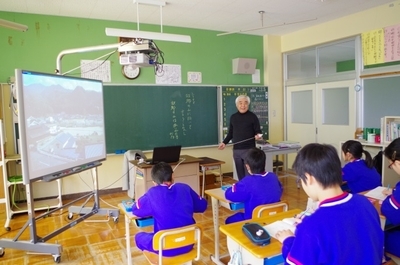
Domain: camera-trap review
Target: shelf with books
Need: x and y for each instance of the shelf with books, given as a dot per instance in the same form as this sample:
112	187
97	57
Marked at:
390	128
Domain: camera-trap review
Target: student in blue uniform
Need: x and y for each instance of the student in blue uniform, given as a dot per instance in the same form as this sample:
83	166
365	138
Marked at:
391	205
171	204
345	229
359	174
258	188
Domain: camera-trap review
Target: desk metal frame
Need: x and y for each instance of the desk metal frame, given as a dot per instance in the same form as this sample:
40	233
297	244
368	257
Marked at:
128	219
217	196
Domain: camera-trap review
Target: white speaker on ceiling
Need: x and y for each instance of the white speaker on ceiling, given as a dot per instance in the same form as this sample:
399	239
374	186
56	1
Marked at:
244	66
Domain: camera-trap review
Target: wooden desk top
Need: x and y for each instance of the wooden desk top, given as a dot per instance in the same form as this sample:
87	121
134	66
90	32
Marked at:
234	231
207	161
217	193
188	159
126	213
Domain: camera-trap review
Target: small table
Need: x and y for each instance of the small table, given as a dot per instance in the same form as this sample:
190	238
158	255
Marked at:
251	253
271	153
208	163
217	197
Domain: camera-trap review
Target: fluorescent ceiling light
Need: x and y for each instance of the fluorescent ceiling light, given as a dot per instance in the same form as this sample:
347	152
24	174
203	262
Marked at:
13	25
150	2
148	35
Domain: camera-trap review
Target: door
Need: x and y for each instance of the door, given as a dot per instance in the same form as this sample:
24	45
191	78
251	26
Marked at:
321	113
336	112
301	118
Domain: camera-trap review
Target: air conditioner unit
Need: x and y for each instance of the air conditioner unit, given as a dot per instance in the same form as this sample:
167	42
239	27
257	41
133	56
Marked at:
139	59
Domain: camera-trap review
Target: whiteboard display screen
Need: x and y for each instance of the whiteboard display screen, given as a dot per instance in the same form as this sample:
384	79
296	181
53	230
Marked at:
61	123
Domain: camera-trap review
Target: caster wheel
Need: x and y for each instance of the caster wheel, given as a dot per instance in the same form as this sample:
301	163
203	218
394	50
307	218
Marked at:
2	252
57	258
116	220
70	216
8	228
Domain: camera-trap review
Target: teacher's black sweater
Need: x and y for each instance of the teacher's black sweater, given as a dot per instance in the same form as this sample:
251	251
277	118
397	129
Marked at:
243	126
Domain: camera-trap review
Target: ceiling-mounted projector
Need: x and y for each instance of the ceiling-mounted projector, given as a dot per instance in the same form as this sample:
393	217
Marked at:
139	59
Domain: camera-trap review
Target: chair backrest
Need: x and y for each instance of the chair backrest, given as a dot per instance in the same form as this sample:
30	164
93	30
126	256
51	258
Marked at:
270	209
178	237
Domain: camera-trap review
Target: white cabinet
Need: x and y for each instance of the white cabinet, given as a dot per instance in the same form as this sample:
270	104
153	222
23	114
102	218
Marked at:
14	189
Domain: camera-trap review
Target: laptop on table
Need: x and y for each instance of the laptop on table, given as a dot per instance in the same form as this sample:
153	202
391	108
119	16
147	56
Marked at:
168	154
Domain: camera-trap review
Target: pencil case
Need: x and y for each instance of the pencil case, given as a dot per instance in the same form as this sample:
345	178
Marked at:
256	233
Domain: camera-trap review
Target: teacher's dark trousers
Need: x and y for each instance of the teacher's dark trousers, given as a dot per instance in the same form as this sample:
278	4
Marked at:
238	157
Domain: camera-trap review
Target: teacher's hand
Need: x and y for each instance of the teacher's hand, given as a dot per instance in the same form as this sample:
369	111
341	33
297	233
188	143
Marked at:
258	136
221	146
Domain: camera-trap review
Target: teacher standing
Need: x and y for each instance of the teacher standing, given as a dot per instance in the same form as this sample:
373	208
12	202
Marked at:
244	129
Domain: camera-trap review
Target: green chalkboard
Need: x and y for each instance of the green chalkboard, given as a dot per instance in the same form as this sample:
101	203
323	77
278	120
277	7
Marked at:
258	104
143	117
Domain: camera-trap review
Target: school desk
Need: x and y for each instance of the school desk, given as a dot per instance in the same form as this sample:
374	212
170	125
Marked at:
252	254
129	217
377	204
208	163
218	198
186	172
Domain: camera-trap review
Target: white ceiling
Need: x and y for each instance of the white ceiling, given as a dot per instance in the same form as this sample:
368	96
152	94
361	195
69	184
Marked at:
219	15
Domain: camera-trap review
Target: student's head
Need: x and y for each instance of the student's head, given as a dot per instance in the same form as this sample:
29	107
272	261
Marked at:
242	103
392	152
255	161
353	150
320	163
161	172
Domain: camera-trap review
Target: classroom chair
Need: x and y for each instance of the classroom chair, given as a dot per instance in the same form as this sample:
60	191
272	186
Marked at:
269	209
174	238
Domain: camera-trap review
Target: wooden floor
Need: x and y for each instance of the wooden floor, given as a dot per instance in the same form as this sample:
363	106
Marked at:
103	243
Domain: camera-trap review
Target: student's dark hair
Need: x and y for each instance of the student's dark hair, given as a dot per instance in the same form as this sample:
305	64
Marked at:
392	151
255	158
321	161
161	172
356	149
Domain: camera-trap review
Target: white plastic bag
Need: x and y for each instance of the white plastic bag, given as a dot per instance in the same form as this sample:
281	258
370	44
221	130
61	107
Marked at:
236	258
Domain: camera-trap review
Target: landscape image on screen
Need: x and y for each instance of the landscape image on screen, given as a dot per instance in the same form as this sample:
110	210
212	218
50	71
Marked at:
62	122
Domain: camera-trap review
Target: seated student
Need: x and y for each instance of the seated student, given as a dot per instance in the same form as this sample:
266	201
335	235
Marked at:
391	205
345	229
359	174
258	188
171	204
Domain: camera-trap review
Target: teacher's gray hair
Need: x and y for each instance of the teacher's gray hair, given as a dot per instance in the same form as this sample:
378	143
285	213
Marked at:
242	96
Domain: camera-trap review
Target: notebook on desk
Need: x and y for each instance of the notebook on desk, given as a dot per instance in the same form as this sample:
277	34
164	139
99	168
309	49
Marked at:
168	154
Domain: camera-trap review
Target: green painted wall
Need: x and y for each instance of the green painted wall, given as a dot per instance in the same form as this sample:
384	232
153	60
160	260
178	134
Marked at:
37	49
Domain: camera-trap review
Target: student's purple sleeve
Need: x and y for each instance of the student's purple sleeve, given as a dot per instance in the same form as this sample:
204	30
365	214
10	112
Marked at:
286	246
300	249
199	203
142	207
237	193
391	206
